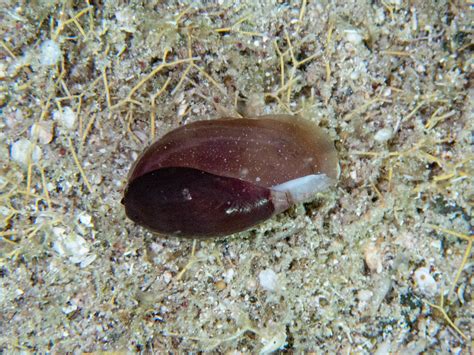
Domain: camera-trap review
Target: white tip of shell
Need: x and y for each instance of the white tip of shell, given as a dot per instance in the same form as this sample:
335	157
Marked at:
302	189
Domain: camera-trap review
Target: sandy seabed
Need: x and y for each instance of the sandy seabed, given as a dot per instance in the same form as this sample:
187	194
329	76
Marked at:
380	264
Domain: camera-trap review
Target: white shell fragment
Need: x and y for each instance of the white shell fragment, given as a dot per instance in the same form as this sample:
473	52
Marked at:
3	71
354	36
273	340
42	131
364	297
72	307
23	151
72	246
86	219
425	282
66	117
268	280
383	134
373	257
50	53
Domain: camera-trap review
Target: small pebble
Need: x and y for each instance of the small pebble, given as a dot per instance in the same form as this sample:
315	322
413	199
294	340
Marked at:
220	285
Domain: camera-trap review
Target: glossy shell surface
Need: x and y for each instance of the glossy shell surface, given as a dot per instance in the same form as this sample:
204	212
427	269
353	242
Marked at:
213	178
195	203
268	150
